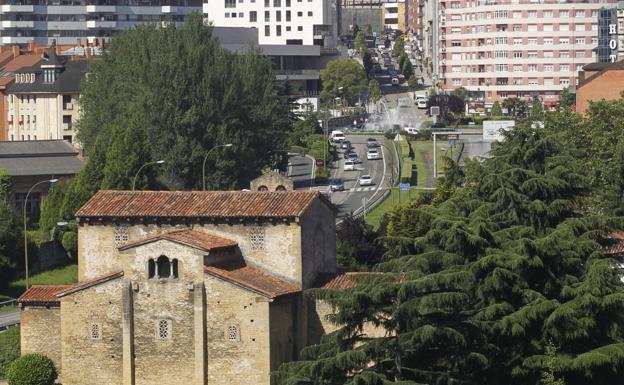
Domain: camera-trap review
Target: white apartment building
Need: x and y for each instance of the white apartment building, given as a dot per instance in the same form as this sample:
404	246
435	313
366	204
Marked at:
279	22
43	100
42	21
515	48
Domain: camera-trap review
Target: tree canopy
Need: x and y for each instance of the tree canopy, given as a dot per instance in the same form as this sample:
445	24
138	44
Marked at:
502	281
344	78
183	94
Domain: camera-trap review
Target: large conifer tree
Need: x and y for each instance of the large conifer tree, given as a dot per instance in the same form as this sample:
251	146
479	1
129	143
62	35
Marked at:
479	288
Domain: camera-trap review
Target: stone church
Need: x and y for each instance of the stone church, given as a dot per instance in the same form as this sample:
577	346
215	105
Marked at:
188	288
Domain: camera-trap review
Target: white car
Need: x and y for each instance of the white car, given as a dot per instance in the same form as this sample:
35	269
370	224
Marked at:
373	154
365	180
349	165
421	103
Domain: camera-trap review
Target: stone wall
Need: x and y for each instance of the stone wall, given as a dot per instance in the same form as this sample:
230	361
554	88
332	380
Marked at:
318	242
98	253
285	341
246	360
271	181
40	332
88	361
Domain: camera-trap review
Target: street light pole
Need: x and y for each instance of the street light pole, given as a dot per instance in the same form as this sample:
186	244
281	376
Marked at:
141	168
26	224
204	163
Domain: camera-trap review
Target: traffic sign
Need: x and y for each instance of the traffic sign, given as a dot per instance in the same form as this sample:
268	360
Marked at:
451	142
435	111
404	186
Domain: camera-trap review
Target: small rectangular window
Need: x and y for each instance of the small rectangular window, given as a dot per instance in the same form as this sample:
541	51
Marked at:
267	30
287	15
232	333
163	330
95	331
256	238
267	16
278	16
278	30
253	16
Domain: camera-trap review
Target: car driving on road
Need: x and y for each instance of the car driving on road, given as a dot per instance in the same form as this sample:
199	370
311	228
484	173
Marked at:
365	180
371	142
349	165
353	157
336	184
373	154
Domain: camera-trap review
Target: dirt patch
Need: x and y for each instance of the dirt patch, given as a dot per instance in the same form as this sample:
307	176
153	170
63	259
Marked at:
427	160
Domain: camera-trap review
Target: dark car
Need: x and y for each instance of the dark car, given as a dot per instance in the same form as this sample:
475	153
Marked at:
372	142
353	156
346	145
336	184
377	68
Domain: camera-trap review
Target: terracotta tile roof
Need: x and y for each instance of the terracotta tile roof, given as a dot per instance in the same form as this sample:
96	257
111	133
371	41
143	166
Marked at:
89	283
615	243
214	204
252	279
42	294
50	294
22	61
345	280
193	238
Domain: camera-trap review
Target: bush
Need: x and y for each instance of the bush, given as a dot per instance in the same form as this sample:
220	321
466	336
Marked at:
70	243
389	135
9	348
321	176
32	369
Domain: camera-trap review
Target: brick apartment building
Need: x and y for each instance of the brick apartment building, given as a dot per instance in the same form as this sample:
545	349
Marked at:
515	48
599	81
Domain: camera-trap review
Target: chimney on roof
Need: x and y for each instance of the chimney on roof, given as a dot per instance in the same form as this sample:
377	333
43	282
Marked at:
16	50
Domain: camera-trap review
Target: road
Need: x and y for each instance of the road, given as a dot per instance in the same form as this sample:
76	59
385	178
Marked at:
350	199
9	318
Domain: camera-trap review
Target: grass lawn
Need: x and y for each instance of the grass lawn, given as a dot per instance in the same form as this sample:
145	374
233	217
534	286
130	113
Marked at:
61	276
7	309
423	157
9	348
373	217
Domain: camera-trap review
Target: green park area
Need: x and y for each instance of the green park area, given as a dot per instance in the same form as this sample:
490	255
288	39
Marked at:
59	276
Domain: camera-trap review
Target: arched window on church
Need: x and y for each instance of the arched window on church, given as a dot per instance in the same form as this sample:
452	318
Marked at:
164	267
263	188
151	268
174	268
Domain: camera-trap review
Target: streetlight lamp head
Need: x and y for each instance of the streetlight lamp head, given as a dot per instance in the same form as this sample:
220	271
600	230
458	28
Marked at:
228	145
160	161
53	180
61	224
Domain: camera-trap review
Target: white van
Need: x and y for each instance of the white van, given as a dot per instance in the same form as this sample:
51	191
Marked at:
337	136
412	130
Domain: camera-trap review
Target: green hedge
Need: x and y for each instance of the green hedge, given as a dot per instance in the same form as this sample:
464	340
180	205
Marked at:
32	369
321	176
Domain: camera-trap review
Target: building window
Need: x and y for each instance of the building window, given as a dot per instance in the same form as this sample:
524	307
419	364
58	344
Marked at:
267	17
517	55
564	41
299	28
163	330
256	238
253	16
548	41
309	13
548	67
120	235
288	16
299	14
563	14
278	30
288	3
288	28
151	268
163	266
277	3
267	3
532	41
267	30
532	14
232	333
579	40
532	54
95	331
230	3
532	68
564	68
278	16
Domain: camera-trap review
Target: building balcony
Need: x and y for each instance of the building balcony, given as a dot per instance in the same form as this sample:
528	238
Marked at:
16	39
169	9
101	8
18	24
9	8
101	24
67	126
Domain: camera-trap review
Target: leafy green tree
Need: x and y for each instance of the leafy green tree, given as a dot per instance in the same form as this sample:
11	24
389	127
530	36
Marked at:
343	78
516	107
406	67
472	290
125	156
189	94
10	232
449	104
369	66
9	348
356	246
306	125
398	48
566	99
368	29
32	369
359	44
496	109
461	93
412	82
374	90
537	111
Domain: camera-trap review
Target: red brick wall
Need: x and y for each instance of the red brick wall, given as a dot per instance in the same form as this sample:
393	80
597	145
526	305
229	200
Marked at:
606	86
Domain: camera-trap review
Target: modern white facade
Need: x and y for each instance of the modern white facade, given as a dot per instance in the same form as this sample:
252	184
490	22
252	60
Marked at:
42	21
279	22
515	48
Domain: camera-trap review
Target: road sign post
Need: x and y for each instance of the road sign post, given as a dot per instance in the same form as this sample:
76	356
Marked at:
364	200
